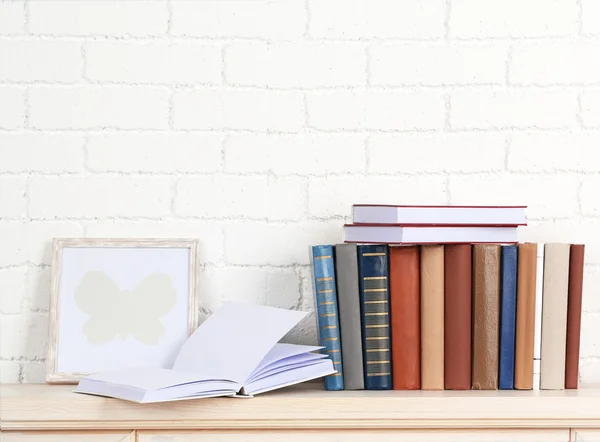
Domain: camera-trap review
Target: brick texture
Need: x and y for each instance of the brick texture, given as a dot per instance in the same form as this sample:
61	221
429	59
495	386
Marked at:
152	63
513	18
112	18
291	65
254	125
12	111
12	18
28	61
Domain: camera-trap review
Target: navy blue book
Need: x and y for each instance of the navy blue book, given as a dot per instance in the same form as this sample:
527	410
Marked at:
373	274
508	314
328	323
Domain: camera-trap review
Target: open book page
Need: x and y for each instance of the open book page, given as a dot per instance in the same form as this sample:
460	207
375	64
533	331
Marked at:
233	341
283	351
144	378
292	376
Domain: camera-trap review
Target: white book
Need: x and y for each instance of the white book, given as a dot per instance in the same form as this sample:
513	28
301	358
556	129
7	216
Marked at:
427	234
537	337
235	352
456	215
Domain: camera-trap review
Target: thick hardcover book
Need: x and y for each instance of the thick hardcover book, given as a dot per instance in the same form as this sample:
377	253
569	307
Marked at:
554	316
457	316
375	297
455	215
539	299
508	313
574	315
486	316
428	234
405	317
327	312
346	270
432	317
526	292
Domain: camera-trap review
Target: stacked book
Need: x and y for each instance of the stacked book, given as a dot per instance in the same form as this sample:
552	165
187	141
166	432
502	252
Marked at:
434	298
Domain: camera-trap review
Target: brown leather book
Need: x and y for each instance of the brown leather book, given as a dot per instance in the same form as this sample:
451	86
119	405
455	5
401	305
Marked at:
554	316
525	331
405	317
457	316
486	316
576	261
432	317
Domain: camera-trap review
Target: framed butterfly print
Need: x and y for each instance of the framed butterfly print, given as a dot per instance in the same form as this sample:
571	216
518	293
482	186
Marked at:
119	303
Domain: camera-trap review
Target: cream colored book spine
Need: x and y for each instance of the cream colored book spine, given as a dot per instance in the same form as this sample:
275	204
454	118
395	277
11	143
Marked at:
554	316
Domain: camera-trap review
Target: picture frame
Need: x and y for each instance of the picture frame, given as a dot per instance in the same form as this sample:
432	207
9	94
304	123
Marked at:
117	303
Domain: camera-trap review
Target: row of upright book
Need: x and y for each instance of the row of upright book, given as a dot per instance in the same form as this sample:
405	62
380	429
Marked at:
449	315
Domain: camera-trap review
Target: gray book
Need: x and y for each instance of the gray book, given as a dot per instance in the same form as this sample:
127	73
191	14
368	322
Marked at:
346	270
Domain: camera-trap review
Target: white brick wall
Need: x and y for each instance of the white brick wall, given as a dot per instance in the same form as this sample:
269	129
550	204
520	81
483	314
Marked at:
254	126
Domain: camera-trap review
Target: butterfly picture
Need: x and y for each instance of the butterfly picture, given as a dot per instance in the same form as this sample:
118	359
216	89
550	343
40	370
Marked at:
120	302
114	312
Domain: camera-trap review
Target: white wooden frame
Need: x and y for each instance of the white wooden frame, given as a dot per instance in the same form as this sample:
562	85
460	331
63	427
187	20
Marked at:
52	375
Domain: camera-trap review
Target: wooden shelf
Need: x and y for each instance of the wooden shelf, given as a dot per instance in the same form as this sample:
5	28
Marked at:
56	407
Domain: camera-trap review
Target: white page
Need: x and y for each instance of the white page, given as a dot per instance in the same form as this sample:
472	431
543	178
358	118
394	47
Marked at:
282	351
290	363
233	341
145	378
291	377
193	389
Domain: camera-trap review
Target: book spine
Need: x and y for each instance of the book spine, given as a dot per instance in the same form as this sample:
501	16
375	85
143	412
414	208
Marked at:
327	312
539	300
508	313
346	270
457	316
375	297
432	317
554	316
486	316
576	262
405	312
526	294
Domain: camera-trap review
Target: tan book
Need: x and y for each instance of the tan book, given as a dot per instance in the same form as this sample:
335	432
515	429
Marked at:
486	316
554	316
432	317
526	289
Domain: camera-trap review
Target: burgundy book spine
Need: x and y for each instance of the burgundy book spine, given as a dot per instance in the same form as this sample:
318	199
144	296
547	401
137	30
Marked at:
457	316
576	261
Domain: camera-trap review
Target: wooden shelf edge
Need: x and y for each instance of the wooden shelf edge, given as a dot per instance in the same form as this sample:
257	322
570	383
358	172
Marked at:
325	424
54	407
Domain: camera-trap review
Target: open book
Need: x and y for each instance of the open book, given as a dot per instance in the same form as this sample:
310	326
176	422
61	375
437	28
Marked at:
235	352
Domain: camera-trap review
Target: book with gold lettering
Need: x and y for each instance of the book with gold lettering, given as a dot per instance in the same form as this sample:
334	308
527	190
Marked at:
328	322
373	274
235	352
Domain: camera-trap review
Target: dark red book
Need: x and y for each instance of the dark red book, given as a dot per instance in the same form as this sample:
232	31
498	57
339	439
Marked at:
457	316
576	261
405	307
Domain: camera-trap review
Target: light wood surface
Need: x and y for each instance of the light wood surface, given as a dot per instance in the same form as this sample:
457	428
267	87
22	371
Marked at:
56	407
585	435
558	435
63	436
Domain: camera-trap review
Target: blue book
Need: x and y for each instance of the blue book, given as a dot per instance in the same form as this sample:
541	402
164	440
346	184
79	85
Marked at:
508	315
373	274
328	323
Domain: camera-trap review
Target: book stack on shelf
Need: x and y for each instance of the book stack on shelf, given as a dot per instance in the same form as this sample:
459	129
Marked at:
446	298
